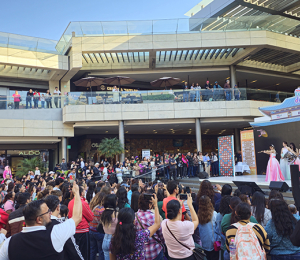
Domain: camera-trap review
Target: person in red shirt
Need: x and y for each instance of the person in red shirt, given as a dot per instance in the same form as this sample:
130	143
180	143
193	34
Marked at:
172	187
82	230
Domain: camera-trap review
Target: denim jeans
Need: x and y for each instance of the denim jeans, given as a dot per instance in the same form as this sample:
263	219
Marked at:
286	257
237	97
190	171
228	95
185	96
28	101
198	96
192	97
105	245
226	255
43	104
36	103
167	176
96	240
160	256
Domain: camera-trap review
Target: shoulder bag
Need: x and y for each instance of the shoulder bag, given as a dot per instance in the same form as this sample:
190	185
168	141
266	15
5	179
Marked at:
217	244
197	252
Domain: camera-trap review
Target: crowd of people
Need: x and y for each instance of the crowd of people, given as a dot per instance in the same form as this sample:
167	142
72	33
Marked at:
210	92
35	99
167	166
65	216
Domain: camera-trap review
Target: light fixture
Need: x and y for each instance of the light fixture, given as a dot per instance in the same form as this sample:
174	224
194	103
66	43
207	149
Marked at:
126	132
106	131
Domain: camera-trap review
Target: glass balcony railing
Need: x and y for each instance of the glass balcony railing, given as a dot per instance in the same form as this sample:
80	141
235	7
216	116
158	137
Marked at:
139	97
273	23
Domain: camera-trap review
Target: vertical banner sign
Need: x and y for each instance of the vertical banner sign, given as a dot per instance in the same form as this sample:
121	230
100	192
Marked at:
146	153
248	150
226	155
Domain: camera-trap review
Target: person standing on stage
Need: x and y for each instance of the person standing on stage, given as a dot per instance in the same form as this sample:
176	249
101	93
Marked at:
273	172
284	161
295	151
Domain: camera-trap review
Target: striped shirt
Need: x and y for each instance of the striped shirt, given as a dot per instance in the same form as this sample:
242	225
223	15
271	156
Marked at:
259	231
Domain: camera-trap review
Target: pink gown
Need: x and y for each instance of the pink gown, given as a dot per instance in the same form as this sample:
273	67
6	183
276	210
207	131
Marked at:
273	170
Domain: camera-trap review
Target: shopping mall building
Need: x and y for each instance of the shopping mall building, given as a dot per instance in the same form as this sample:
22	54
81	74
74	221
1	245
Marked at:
255	44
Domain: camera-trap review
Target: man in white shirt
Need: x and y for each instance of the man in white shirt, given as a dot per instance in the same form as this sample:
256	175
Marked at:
81	163
37	171
35	241
56	93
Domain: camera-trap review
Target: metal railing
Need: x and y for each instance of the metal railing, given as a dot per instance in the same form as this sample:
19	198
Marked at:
139	97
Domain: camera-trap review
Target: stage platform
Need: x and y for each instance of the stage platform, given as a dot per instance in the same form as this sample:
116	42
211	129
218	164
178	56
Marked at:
194	183
259	179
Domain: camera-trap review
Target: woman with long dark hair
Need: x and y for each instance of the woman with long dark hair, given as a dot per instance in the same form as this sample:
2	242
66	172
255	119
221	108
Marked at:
279	230
109	221
206	189
224	209
182	230
90	192
243	213
207	224
122	200
8	202
135	201
145	218
96	238
128	243
232	218
258	209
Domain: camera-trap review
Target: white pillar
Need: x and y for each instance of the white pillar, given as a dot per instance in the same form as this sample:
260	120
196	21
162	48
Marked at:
198	135
122	139
233	79
64	148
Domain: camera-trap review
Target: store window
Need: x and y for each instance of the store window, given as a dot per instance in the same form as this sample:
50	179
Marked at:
15	158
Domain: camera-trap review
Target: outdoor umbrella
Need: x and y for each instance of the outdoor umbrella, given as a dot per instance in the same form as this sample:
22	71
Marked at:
119	80
89	82
165	82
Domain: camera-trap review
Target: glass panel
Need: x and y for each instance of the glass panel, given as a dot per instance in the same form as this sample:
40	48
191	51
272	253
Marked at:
139	27
114	28
91	28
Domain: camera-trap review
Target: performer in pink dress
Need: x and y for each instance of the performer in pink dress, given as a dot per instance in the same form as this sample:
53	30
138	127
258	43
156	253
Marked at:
273	172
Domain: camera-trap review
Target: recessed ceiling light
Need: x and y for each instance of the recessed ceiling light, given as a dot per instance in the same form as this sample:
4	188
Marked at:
126	132
106	131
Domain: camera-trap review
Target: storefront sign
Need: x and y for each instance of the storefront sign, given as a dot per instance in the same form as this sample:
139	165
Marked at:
146	153
248	150
29	152
95	145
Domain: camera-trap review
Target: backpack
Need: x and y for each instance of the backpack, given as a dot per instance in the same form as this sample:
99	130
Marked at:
247	244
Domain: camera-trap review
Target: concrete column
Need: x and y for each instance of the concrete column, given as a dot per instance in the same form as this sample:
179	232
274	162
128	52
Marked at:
64	148
122	139
52	85
198	135
237	143
233	75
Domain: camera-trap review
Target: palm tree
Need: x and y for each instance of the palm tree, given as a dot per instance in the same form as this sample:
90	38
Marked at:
29	165
109	147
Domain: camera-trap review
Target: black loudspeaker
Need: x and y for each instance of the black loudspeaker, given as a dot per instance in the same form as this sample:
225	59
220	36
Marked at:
295	174
278	185
203	175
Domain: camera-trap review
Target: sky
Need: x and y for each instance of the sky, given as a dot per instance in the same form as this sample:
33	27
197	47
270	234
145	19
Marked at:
49	19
